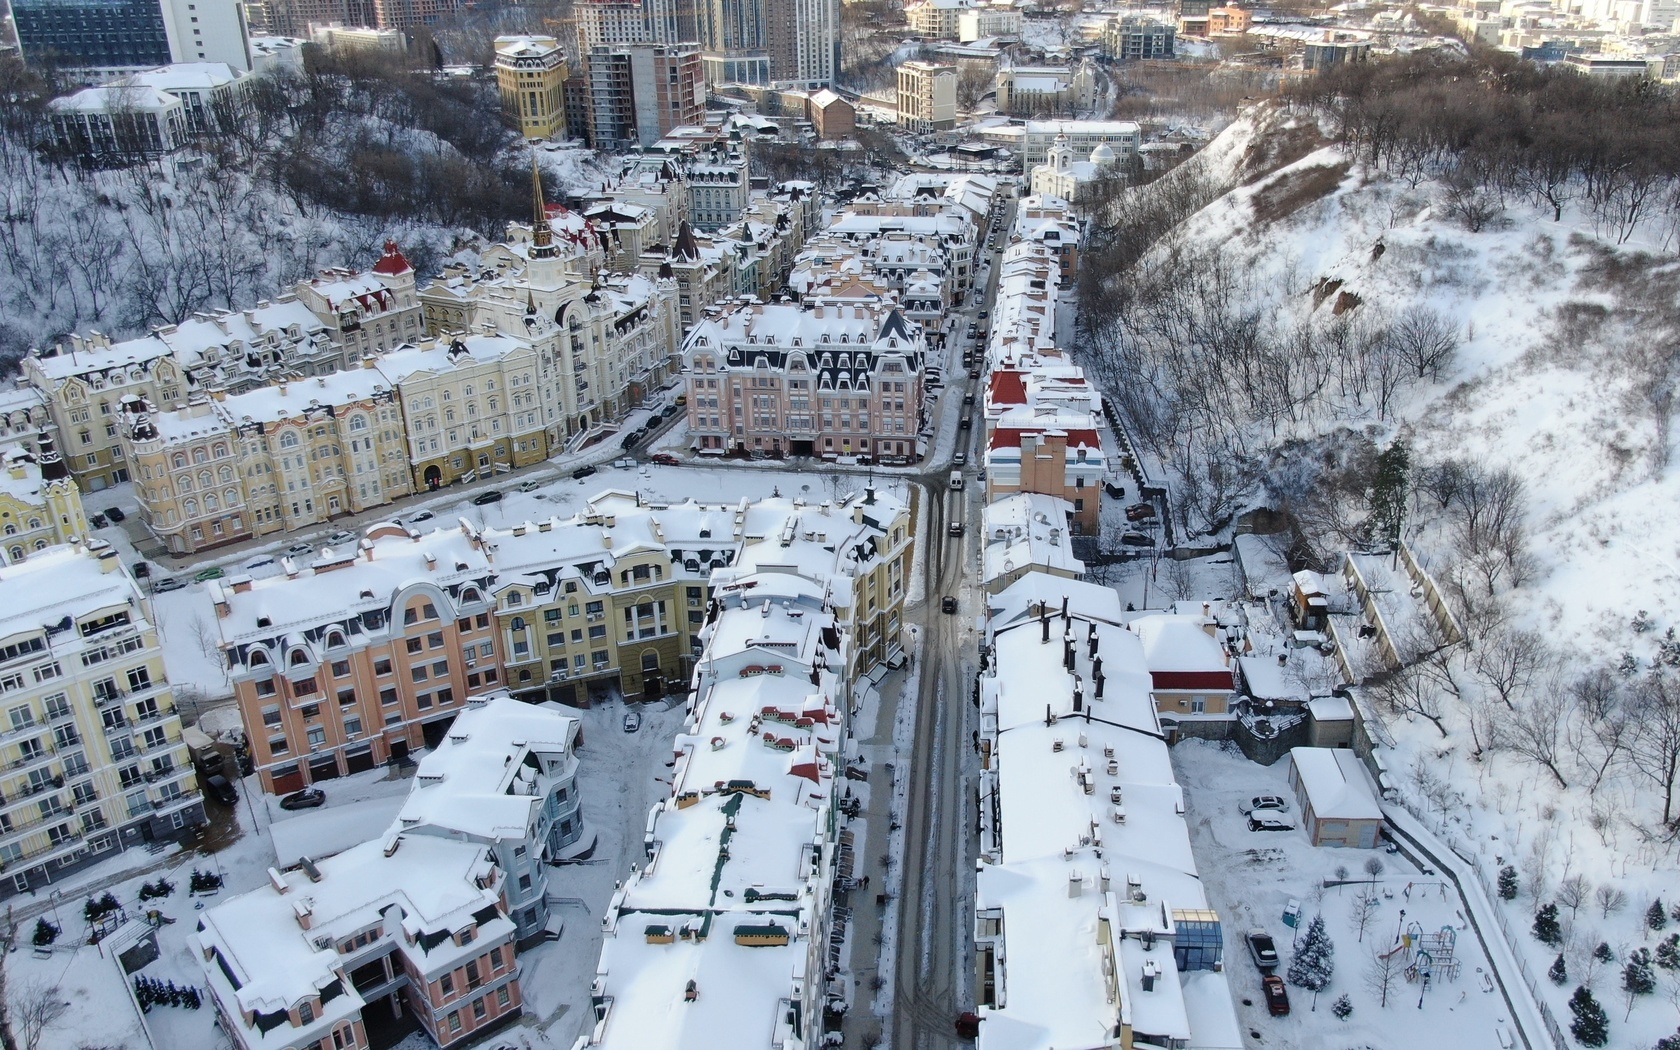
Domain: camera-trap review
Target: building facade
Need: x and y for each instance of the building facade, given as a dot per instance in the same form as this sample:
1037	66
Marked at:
639	92
927	97
101	40
93	755
40	505
531	75
824	377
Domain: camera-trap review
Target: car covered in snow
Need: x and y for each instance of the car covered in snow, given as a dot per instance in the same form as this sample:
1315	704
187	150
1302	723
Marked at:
1259	823
632	721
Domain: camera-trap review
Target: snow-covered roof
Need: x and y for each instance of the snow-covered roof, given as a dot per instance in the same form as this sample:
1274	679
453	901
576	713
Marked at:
1088	868
1090	601
482	779
111	98
1336	784
1173	642
462	351
64	583
189	76
1029	529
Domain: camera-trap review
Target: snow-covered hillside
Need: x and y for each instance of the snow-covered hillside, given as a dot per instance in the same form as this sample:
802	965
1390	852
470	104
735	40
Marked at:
1249	340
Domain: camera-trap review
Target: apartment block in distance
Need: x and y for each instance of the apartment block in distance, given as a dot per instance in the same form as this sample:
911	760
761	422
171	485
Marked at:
639	92
92	755
927	97
531	74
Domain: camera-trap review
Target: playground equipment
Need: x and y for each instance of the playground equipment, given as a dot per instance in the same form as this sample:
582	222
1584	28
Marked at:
1428	956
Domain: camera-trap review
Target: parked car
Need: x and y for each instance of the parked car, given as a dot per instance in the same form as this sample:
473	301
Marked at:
97	521
983	315
974	373
954	529
484	499
632	721
1260	946
583	472
339	539
308	798
115	513
1268	824
213	573
960	459
259	563
1116	491
142	569
1137	539
948	604
665	459
1277	996
1263	802
298	550
221	789
669	411
1140	511
529	486
682	399
424	515
168	583
631	439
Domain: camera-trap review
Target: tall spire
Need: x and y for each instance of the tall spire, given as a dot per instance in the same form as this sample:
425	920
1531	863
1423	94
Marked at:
52	464
542	237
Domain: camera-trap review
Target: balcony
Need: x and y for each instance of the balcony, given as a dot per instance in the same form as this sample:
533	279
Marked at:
34	824
105	698
146	747
31	761
120	725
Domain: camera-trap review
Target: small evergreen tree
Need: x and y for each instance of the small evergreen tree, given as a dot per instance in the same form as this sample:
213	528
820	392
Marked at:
1637	978
1315	958
1342	1007
1656	917
1591	1026
1668	952
1508	883
1389	492
1559	973
1668	1042
1603	953
1546	928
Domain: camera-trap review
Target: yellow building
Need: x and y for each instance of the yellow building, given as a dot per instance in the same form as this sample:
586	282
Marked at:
531	73
40	505
473	406
92	755
302	452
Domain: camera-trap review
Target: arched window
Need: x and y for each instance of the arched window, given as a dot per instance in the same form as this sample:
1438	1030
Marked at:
11	529
358	423
199	455
209	501
257	657
17	553
220	450
298	656
225	474
204	479
179	460
34	523
335	639
40	545
289	439
518	624
230	498
190	507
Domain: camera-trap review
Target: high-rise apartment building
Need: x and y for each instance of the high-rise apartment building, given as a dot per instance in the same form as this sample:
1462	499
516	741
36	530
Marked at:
101	38
638	92
92	755
927	97
531	74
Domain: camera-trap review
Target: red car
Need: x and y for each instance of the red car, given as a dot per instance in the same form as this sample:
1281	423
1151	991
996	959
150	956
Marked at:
665	459
1277	997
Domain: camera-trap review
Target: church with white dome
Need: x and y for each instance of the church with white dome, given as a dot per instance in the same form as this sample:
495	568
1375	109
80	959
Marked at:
1063	176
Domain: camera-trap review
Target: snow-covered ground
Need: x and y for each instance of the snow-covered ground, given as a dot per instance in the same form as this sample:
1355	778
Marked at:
1252	876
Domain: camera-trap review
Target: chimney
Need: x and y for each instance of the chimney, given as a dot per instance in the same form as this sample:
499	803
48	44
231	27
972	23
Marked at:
1044	622
431	562
1076	885
1150	972
1100	680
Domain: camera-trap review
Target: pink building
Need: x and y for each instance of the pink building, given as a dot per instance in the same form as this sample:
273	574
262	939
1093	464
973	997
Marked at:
833	376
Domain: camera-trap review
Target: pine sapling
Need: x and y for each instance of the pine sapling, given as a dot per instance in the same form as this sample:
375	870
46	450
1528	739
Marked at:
1668	1042
1603	953
1656	916
1508	883
1342	1007
1668	953
1559	973
1591	1026
1547	930
1637	978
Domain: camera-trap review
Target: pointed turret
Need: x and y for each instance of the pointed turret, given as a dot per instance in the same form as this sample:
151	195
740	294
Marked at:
52	464
542	236
393	263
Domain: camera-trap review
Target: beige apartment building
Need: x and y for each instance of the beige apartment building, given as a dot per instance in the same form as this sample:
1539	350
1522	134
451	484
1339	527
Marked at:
531	75
368	311
473	407
832	376
92	752
40	505
927	97
299	453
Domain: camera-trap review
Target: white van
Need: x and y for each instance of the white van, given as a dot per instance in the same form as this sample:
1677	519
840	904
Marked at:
956	480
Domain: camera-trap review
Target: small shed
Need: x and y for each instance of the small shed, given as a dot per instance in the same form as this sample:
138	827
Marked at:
1330	721
1338	803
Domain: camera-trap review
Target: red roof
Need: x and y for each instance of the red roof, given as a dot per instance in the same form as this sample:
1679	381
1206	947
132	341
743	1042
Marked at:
1009	388
1010	437
392	263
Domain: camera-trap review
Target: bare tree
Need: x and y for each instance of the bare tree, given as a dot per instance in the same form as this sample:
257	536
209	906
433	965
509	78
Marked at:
1426	341
1510	662
1603	728
1539	727
1609	898
1573	892
1364	911
1654	750
1409	693
1382	971
32	1008
1373	868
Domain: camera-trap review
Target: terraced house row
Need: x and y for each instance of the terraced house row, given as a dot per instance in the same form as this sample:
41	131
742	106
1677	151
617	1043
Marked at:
368	652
